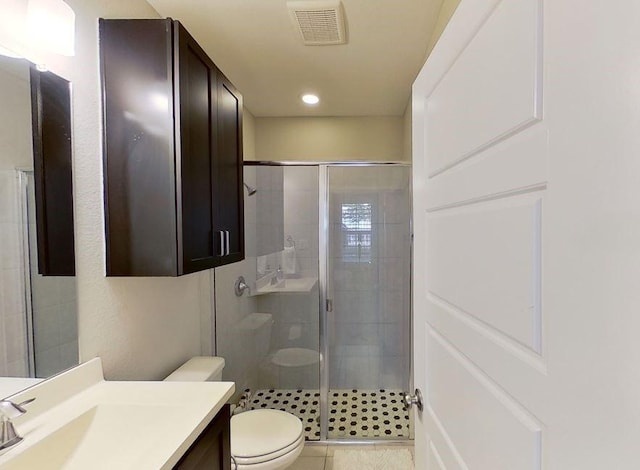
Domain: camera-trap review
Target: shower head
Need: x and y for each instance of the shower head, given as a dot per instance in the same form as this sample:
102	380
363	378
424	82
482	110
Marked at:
250	189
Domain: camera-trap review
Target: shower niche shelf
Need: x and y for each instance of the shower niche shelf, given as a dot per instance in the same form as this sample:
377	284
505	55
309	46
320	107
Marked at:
300	285
172	152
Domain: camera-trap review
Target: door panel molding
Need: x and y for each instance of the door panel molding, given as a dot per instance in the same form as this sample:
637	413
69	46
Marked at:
504	59
511	434
486	344
514	166
487	262
433	458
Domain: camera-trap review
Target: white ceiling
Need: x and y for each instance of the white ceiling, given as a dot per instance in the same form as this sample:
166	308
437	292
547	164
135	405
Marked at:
256	45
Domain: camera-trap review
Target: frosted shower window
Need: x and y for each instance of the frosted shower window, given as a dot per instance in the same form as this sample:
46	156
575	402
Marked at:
356	232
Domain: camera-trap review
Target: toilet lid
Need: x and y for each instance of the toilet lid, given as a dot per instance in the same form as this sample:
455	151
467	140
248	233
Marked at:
258	433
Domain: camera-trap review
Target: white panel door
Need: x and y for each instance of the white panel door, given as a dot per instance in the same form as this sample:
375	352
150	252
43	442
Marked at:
526	149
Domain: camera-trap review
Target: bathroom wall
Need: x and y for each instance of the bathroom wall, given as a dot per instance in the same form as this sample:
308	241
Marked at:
447	10
142	328
329	138
407	133
248	135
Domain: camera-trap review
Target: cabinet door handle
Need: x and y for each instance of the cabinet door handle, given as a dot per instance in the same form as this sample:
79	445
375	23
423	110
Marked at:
221	243
227	239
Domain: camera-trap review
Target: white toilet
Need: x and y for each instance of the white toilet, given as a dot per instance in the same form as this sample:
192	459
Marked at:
260	439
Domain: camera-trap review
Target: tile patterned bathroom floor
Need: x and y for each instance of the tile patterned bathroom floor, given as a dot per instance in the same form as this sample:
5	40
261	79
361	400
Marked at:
353	413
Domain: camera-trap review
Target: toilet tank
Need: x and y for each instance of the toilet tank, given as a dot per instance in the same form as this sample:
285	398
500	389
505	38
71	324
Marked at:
199	369
258	325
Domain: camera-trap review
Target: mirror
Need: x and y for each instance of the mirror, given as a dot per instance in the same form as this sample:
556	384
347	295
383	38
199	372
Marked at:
38	319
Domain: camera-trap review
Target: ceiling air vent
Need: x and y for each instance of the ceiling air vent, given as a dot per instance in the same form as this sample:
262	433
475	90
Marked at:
321	23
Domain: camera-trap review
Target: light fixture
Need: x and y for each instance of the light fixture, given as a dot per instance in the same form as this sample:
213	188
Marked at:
51	26
35	28
310	99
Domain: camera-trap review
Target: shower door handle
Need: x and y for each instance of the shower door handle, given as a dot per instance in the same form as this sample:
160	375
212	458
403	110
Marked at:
329	305
415	399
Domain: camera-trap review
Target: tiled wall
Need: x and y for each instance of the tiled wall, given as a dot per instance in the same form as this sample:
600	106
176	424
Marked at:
286	203
296	315
301	216
13	334
15	152
369	329
51	300
234	341
269	213
54	310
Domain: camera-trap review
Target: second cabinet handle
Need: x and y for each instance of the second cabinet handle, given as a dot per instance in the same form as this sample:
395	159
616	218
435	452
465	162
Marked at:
221	243
227	240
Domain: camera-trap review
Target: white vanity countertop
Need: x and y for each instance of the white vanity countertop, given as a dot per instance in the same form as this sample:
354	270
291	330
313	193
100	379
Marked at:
79	420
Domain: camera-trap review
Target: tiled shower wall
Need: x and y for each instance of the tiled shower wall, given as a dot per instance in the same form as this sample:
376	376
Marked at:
235	341
15	152
54	309
296	315
369	330
51	300
301	216
13	334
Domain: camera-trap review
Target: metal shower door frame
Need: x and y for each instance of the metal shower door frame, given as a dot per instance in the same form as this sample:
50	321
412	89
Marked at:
323	273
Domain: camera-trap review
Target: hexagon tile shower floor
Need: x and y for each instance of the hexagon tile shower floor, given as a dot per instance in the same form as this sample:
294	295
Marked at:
353	414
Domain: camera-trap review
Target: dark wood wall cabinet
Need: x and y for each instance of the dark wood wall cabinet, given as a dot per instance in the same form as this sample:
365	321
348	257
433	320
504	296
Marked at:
172	152
212	449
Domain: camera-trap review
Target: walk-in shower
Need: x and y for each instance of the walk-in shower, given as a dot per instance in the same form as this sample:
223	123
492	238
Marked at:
330	337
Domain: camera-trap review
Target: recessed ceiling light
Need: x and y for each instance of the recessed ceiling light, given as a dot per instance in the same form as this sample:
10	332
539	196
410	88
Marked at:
310	99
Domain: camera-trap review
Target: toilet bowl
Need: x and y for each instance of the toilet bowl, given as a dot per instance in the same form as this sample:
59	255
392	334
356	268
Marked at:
260	439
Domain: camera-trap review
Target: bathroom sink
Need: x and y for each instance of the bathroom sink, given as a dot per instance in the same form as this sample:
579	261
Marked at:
97	439
78	420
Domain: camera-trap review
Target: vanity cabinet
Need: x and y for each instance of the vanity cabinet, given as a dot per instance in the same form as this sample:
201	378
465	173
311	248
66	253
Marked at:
172	152
212	449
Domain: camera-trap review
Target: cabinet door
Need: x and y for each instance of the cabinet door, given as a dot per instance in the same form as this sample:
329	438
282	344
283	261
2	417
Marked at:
212	449
196	98
139	159
228	190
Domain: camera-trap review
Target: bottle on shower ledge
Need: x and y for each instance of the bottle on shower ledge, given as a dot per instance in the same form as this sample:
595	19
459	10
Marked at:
279	274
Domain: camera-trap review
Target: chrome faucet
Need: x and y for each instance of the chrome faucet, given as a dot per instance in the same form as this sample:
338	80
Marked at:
8	411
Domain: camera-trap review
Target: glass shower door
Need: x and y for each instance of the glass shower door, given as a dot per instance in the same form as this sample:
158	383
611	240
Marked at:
368	355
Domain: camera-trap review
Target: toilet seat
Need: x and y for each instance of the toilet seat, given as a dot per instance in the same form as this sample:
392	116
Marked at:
260	437
264	460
